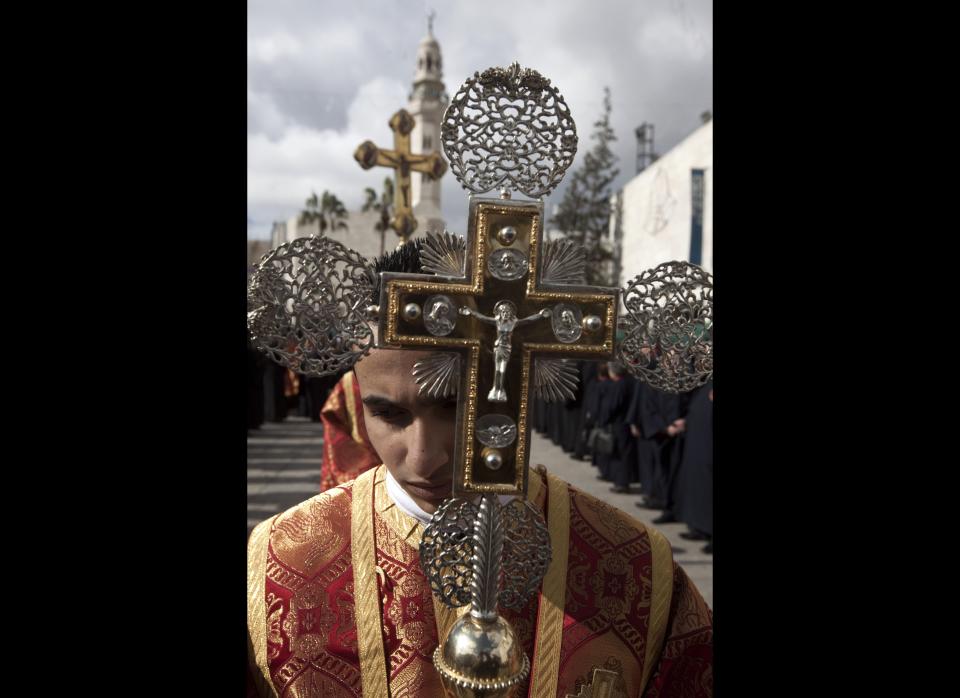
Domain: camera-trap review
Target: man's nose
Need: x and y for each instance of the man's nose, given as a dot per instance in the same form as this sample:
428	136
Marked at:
428	451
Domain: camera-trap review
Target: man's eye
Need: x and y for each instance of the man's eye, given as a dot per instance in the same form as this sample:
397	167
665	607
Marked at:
395	418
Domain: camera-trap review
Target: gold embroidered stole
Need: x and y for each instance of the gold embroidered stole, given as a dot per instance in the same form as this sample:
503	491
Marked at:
660	597
257	607
546	660
369	614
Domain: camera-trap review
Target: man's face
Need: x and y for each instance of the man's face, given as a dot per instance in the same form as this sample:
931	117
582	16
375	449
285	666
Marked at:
413	434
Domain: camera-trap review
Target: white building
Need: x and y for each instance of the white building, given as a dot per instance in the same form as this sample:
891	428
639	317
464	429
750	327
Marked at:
665	213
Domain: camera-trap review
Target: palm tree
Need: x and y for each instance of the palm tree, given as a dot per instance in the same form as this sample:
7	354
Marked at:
328	210
384	206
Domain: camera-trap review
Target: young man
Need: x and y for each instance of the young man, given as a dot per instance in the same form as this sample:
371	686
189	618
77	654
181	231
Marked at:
627	608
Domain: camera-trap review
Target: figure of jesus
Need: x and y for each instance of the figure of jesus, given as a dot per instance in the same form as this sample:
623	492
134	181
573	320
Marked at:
506	321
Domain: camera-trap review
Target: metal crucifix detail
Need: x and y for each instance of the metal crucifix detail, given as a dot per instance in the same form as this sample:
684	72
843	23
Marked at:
506	321
483	315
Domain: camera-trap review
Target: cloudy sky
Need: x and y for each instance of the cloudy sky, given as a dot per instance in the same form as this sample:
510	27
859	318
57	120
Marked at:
323	76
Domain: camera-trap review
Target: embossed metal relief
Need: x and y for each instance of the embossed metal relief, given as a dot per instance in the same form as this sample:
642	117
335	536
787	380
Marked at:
507	264
444	255
555	380
455	534
668	327
496	430
564	262
566	320
306	306
446	551
509	127
438	375
439	315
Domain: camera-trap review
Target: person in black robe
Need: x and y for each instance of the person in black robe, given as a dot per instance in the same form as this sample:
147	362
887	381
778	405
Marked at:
694	481
539	418
588	379
555	422
274	400
621	464
645	447
570	416
659	415
671	454
595	400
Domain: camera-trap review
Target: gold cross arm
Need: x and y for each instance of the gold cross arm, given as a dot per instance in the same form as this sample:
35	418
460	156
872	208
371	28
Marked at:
403	162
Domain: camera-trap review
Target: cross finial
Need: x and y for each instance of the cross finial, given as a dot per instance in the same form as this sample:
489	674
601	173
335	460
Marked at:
430	15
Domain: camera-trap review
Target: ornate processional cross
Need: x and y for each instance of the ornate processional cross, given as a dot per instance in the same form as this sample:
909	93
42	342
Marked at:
403	161
508	317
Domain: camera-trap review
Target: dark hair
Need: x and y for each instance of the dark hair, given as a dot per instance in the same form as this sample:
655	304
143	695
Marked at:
403	259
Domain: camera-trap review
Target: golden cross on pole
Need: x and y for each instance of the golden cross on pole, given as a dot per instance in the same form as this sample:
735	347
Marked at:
548	319
400	159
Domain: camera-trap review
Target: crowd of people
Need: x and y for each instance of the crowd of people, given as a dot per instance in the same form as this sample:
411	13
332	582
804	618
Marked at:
634	434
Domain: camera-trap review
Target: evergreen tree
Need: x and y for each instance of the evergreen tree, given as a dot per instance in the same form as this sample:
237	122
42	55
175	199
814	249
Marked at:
584	212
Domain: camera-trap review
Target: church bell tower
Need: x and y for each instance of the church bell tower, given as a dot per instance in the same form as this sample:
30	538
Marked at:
428	101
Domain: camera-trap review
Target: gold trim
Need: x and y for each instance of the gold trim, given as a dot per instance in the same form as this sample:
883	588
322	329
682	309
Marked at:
660	597
369	615
348	379
546	667
257	551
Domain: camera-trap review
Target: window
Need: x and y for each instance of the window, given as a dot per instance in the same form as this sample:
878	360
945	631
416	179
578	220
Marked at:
696	216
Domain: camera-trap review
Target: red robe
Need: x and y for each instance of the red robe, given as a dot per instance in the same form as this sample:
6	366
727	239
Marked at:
347	451
335	582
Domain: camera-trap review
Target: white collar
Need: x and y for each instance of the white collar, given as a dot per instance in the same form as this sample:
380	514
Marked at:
410	507
404	500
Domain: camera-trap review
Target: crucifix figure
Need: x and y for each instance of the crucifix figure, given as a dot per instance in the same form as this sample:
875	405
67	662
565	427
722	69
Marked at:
403	162
506	321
